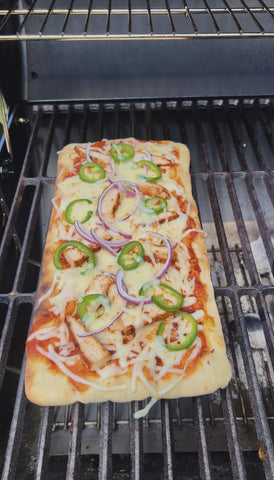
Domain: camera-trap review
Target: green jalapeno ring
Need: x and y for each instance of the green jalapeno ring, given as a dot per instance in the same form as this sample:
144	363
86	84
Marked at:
154	205
152	166
190	336
128	259
144	289
160	301
96	172
73	243
92	302
69	211
122	152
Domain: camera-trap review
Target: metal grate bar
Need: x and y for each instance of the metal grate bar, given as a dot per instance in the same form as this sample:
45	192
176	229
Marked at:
105	458
129	17
203	452
167	437
47	17
6	336
12	452
236	456
73	467
238	25
190	16
208	9
22	25
265	126
6	17
67	18
149	16
262	426
230	276
88	17
44	443
256	21
249	259
8	233
136	443
266	8
108	17
170	17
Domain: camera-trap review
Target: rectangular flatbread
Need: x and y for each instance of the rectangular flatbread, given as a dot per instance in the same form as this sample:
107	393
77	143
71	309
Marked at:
125	307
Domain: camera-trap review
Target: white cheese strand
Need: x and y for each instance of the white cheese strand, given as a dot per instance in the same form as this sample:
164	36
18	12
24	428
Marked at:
192	230
144	411
54	358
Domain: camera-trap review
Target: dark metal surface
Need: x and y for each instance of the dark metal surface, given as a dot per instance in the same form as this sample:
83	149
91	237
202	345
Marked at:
231	144
51	20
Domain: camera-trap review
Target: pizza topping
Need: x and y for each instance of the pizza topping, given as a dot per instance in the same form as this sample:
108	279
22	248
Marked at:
172	300
154	191
122	152
131	255
153	172
91	172
94	354
73	254
92	306
154	205
183	326
122	290
78	210
108	203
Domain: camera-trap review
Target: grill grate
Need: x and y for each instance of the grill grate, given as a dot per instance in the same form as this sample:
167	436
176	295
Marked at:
119	20
232	172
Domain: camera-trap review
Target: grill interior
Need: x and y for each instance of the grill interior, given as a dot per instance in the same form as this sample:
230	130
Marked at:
224	435
135	19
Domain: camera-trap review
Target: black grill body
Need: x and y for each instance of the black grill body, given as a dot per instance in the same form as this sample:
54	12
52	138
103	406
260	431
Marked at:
228	434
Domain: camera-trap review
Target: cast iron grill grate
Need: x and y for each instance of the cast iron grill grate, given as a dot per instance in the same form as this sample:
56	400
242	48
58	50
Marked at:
232	150
132	19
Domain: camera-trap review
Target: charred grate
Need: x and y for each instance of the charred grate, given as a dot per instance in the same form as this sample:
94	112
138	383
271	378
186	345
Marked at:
130	19
232	149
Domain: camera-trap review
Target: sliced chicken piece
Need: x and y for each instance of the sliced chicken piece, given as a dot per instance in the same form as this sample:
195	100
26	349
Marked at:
93	353
167	216
100	284
74	257
158	251
161	161
110	203
154	313
96	157
128	333
103	233
154	191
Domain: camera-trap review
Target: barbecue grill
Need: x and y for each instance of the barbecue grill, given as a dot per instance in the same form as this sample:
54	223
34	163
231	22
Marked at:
197	72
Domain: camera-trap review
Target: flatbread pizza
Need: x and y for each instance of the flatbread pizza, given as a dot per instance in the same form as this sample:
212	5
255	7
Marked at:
125	308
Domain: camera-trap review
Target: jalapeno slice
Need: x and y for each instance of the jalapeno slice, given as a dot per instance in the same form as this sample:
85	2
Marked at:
122	152
164	303
154	205
131	255
91	172
92	306
154	170
88	254
189	337
78	210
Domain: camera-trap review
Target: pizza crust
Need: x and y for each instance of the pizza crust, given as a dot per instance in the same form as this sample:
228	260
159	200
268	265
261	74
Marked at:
47	385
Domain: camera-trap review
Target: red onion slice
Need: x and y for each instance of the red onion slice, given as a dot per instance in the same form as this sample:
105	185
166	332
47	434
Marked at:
169	255
125	295
79	229
105	326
